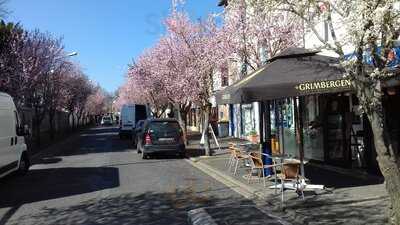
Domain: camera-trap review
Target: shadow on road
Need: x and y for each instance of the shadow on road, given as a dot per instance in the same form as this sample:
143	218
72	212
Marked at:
45	184
144	209
96	140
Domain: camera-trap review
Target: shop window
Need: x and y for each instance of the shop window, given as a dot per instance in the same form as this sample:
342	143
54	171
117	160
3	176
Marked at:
289	134
312	129
247	119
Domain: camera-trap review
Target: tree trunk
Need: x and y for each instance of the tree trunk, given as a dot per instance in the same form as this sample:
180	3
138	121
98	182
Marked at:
371	99
37	133
205	134
37	136
38	118
181	115
185	127
387	164
73	121
51	123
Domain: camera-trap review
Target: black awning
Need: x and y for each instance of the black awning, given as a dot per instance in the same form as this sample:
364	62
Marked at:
233	93
288	75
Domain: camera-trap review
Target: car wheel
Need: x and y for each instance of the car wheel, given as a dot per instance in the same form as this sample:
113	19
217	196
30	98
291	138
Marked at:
24	164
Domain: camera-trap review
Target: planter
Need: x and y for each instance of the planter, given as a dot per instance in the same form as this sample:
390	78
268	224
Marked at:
254	138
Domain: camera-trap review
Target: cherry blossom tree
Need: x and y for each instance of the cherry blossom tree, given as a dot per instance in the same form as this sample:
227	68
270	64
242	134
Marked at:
255	33
38	56
202	52
97	102
77	91
145	82
364	34
178	69
35	71
12	40
56	85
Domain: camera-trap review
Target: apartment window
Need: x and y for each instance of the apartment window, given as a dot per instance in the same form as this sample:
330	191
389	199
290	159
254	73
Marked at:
224	76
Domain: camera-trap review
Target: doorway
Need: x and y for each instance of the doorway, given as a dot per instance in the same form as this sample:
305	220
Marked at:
337	130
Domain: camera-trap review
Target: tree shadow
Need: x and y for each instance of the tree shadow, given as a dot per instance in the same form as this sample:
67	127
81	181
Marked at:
334	179
195	152
145	209
47	160
326	210
45	184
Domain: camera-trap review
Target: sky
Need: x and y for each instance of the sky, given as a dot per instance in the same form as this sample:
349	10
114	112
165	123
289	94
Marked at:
107	35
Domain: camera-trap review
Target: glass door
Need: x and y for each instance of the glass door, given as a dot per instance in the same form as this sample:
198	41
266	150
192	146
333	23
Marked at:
337	148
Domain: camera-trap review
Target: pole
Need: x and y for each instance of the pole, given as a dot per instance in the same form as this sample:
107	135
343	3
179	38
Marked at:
261	124
298	108
267	148
281	128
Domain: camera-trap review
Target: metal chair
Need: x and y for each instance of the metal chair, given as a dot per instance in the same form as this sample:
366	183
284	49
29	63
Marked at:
238	157
256	163
291	173
229	162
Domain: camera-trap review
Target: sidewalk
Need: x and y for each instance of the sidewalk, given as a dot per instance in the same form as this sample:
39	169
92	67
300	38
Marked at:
195	149
346	200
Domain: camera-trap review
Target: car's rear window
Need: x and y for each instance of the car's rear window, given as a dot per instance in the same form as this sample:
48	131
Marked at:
164	126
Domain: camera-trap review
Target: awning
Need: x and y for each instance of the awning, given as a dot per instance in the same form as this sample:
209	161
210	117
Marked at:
294	72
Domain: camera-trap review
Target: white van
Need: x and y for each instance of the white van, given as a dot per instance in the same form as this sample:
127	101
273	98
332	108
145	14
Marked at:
13	150
130	115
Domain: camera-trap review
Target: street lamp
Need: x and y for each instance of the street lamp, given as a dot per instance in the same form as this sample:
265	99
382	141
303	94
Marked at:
72	54
67	55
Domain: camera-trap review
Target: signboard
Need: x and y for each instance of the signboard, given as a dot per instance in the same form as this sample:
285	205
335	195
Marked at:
315	86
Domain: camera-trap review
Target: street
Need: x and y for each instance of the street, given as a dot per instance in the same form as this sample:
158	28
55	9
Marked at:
96	178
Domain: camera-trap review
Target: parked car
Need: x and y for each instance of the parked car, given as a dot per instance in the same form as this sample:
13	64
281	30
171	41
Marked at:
106	121
130	115
136	131
161	136
13	150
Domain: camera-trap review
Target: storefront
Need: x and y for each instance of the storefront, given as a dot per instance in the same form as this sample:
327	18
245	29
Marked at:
308	109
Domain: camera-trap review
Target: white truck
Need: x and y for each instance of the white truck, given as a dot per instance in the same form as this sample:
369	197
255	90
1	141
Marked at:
130	115
13	150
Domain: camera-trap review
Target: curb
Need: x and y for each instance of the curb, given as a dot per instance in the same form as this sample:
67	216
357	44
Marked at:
237	186
200	217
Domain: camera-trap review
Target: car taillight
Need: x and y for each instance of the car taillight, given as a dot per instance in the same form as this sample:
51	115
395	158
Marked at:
147	139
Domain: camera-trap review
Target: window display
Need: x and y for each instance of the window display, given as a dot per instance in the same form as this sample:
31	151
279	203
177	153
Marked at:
313	130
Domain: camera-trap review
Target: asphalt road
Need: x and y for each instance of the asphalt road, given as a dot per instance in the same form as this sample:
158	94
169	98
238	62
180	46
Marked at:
95	178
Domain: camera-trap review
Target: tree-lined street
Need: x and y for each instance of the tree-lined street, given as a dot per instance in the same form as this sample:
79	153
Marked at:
281	89
95	178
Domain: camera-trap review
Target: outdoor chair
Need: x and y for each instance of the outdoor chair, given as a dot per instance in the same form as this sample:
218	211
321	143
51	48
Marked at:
290	173
238	157
257	163
230	160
